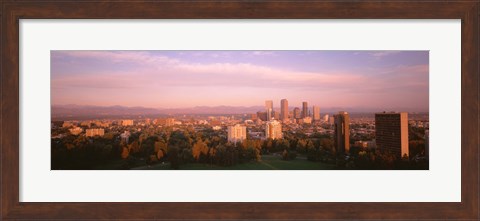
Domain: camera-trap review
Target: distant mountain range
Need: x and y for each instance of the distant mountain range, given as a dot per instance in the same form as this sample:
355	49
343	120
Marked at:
213	110
62	111
73	109
83	111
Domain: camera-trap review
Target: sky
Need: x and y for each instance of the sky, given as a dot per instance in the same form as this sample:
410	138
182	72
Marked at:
390	80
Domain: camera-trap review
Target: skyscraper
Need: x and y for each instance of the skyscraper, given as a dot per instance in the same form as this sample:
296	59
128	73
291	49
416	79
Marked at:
273	130
304	109
325	118
276	115
391	132
284	110
237	133
297	113
316	113
269	109
342	132
331	120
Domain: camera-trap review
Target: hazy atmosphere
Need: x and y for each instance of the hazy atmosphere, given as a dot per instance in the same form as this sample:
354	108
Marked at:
240	110
180	79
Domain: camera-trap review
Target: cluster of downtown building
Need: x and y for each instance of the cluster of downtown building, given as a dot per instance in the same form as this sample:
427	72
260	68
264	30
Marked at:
390	128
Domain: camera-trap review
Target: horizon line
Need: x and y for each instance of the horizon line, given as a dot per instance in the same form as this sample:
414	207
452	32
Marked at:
278	108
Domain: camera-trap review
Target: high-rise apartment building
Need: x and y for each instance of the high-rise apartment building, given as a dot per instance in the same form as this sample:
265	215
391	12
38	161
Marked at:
331	120
273	130
304	109
316	113
342	132
297	114
325	118
237	133
284	110
391	132
269	109
276	115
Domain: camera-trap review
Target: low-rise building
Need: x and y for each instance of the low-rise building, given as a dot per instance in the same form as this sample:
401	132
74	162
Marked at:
76	130
127	122
124	136
307	120
67	124
95	132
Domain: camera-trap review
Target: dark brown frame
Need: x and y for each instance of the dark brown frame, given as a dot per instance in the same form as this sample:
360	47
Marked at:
11	11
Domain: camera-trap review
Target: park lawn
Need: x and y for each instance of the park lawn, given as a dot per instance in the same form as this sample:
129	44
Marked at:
268	162
117	164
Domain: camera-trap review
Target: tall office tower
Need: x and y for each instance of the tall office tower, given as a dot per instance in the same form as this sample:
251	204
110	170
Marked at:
316	113
391	132
325	118
297	113
237	133
269	109
284	110
276	115
273	130
304	109
342	132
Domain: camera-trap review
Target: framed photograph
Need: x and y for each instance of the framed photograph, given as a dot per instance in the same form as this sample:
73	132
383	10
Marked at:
163	110
239	110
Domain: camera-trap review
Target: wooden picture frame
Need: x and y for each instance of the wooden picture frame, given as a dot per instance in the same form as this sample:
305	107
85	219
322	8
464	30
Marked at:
12	11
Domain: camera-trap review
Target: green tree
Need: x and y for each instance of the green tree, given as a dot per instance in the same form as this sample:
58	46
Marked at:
301	146
283	144
173	157
199	149
161	149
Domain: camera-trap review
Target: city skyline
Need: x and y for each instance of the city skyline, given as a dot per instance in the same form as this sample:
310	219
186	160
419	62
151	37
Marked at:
181	79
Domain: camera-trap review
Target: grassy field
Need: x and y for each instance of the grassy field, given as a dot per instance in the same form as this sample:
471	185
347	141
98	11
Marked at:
269	162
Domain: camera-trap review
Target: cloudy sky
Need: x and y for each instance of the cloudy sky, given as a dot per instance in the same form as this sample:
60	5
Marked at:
390	80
